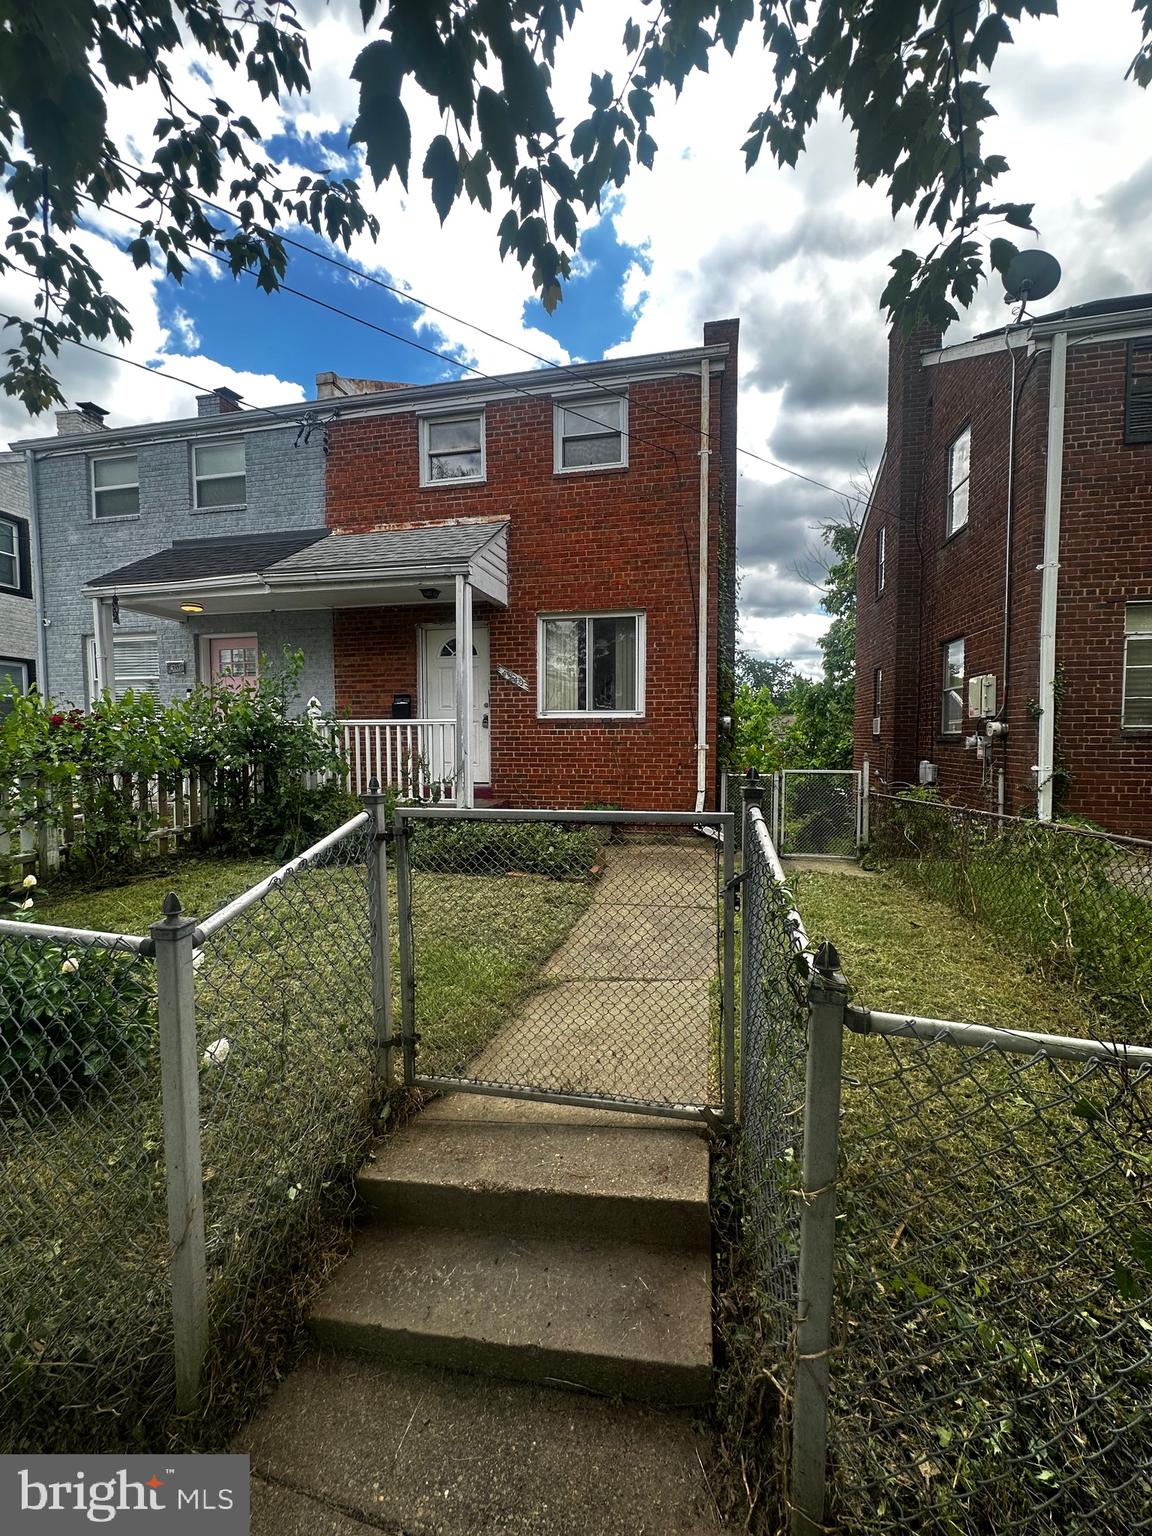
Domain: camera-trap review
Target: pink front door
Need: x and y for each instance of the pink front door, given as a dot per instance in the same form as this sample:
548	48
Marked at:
234	661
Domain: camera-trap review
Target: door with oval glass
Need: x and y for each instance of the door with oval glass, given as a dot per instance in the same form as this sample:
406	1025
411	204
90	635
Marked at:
438	688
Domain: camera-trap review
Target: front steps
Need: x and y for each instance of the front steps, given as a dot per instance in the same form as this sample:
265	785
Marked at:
559	1246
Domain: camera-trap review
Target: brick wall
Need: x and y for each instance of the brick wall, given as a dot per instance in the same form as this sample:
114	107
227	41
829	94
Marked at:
948	587
610	539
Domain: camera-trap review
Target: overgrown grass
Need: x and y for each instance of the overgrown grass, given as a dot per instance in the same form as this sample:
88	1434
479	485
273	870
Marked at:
993	1366
85	1355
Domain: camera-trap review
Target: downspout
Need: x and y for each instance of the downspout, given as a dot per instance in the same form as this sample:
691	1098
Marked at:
37	577
1004	649
1049	590
702	604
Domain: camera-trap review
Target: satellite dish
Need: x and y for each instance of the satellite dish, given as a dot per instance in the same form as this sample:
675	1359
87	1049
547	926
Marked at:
1030	275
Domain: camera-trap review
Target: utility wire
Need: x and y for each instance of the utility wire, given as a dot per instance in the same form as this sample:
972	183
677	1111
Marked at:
412	298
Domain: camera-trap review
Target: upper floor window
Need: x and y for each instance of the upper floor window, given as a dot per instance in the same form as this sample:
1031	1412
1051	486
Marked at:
952	699
1138	665
218	474
10	572
116	486
959	469
452	449
592	664
881	559
592	433
1138	401
135	661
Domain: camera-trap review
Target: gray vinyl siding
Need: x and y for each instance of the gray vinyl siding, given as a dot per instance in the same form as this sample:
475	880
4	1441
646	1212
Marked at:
285	490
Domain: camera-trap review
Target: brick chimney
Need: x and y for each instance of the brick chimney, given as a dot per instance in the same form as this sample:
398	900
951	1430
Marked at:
332	386
87	417
221	402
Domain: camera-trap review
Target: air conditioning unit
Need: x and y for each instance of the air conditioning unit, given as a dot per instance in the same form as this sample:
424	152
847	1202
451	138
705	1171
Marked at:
929	774
875	725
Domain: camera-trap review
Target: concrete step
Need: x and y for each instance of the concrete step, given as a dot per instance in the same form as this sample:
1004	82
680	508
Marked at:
531	1176
613	1317
349	1444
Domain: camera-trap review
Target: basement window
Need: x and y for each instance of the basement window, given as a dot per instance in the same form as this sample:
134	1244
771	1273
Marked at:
959	471
952	697
592	664
1137	707
1138	399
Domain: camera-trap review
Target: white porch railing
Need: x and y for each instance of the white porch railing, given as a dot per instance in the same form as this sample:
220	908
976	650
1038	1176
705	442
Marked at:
415	757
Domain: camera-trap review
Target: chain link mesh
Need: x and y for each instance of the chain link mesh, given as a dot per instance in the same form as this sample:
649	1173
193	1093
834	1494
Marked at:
773	1032
84	1305
993	1365
818	811
287	1088
1078	903
600	946
288	1077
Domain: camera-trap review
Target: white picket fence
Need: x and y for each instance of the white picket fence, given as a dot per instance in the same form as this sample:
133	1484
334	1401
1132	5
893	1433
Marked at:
415	757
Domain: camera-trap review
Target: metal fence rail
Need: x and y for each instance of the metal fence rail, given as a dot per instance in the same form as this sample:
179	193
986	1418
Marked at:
170	1108
1079	903
609	934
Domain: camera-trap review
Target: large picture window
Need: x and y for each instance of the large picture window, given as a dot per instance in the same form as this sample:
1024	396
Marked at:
1138	666
452	449
592	664
116	486
218	474
592	433
952	705
959	474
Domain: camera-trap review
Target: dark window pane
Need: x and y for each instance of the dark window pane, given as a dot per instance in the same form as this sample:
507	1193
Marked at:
582	451
614	663
455	466
229	491
121	502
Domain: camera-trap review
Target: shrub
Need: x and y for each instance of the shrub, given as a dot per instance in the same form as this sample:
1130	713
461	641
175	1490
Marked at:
68	1017
506	847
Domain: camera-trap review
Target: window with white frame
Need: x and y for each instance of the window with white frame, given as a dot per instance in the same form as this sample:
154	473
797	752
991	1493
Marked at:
13	674
116	486
592	433
10	572
881	559
592	664
1138	666
452	448
952	697
218	474
959	472
135	661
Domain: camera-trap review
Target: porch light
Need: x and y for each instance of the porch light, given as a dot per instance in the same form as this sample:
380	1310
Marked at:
431	593
191	607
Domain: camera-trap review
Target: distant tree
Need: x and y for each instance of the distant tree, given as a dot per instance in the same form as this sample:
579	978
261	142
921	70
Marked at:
775	674
904	75
824	712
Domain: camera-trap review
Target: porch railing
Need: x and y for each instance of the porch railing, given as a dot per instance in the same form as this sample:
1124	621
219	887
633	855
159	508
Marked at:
415	757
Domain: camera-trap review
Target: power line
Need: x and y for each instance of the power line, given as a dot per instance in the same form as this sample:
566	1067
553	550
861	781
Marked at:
412	298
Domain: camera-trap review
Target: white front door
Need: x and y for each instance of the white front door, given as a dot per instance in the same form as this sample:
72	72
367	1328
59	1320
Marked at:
439	700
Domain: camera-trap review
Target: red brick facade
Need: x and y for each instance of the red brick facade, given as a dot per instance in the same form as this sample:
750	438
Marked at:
939	588
622	539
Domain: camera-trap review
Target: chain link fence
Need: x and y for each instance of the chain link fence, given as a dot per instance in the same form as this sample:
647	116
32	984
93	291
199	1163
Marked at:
818	812
604	942
274	1024
1077	902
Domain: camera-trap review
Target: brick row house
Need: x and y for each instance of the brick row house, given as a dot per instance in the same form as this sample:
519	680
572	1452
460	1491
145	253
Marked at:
17	610
572	530
1004	621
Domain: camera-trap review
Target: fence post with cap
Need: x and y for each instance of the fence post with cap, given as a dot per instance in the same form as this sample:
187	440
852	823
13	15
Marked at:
827	1000
751	794
376	805
174	938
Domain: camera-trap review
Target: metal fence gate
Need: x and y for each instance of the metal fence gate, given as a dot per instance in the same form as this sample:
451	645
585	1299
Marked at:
599	943
816	812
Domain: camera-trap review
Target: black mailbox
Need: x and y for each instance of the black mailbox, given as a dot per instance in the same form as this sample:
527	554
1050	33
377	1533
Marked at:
401	706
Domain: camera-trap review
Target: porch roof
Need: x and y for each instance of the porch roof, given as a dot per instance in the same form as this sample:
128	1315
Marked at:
312	568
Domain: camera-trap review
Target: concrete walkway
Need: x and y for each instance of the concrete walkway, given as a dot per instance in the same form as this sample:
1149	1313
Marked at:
523	1267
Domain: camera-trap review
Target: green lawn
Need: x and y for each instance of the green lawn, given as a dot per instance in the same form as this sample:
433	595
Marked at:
202	883
993	1359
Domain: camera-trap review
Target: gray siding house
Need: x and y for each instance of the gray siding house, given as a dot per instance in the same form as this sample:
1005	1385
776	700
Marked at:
17	608
103	498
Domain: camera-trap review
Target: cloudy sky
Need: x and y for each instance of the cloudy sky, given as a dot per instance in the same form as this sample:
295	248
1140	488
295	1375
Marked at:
799	256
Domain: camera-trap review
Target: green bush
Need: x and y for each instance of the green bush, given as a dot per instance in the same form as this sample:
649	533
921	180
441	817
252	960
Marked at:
68	1017
505	848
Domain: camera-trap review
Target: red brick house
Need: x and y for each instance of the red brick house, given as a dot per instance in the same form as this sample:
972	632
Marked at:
562	527
1004	617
